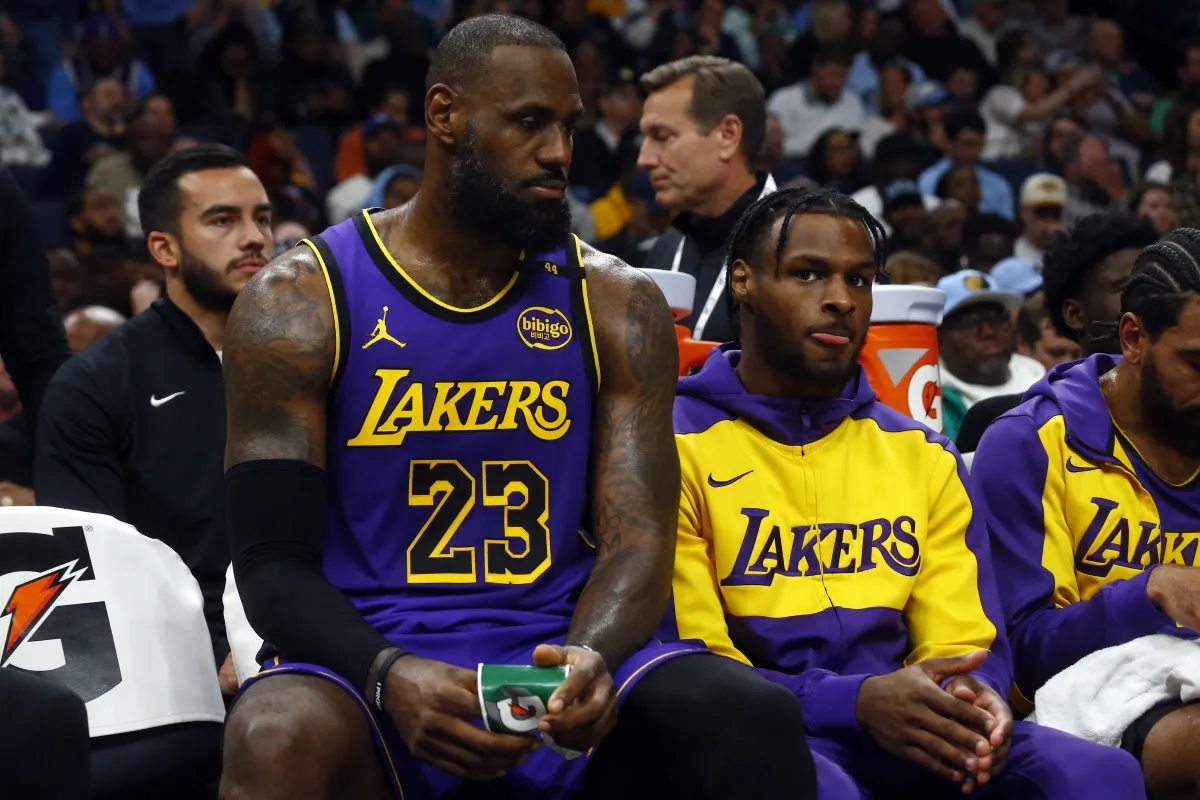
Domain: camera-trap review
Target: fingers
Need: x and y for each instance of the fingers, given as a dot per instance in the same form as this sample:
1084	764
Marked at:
920	757
939	669
976	720
588	711
549	655
578	683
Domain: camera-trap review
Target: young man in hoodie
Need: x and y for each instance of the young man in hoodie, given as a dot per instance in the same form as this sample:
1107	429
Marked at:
1089	493
831	543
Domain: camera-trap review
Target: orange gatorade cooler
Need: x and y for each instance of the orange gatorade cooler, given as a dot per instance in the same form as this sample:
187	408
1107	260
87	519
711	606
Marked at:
900	355
680	290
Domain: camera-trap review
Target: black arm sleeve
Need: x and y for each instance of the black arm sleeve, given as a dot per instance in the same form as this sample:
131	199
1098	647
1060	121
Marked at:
32	341
276	525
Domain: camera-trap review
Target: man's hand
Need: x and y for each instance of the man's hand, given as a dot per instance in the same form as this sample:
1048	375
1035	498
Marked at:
227	677
584	708
1176	590
910	716
13	494
434	706
971	690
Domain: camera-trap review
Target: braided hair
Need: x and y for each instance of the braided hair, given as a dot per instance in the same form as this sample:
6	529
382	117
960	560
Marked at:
748	235
1165	276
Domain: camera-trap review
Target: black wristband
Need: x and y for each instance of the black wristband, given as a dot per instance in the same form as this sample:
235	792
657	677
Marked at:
381	676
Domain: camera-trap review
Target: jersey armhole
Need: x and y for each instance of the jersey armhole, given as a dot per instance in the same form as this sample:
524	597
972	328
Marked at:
337	300
581	310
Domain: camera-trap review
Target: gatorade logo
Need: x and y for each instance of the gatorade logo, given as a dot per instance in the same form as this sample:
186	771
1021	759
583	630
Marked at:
544	328
925	396
521	711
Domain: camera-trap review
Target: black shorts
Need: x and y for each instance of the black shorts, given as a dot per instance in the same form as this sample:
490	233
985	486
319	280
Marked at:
1134	738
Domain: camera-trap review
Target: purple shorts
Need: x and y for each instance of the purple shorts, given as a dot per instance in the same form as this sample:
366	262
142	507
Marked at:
545	774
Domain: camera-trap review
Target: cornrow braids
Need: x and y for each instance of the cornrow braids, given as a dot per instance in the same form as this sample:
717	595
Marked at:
748	234
1164	277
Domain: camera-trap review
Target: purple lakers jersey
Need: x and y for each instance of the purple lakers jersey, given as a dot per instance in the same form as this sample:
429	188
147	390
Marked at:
457	447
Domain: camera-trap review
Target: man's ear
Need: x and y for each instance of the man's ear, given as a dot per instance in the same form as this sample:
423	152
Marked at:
741	282
165	250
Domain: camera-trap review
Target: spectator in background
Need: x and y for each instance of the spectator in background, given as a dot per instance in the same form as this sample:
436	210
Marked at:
1043	203
1019	276
946	222
905	215
82	143
933	42
703	124
1055	28
1086	270
977	348
1017	108
207	18
102	54
928	104
1062	129
983	27
67	278
895	80
835	162
897	158
961	183
147	141
907	267
1181	137
274	157
382	140
1108	52
1037	339
395	186
315	88
987	240
806	110
1153	201
159	37
351	159
96	222
87	324
750	21
885	47
1187	69
602	150
232	82
20	141
406	63
1094	182
1107	112
964	133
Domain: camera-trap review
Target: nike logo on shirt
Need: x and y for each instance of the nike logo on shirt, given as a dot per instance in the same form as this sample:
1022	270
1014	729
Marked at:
158	401
1071	467
718	484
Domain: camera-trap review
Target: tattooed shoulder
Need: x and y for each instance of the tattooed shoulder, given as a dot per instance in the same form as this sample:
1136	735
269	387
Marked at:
278	356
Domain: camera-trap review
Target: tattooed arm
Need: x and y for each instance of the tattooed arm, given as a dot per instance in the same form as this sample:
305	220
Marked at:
634	499
278	357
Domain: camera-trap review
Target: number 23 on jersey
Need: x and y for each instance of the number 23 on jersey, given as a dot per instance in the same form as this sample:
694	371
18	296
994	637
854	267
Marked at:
520	556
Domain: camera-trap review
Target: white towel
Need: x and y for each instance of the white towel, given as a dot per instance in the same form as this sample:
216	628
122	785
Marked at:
1101	695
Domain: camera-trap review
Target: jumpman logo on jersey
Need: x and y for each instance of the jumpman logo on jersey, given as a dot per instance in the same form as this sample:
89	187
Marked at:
381	332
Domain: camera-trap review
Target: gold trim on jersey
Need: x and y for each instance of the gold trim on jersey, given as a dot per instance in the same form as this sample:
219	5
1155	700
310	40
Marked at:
587	310
337	326
408	278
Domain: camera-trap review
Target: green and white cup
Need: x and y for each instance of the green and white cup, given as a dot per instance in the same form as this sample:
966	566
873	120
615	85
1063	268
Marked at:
512	698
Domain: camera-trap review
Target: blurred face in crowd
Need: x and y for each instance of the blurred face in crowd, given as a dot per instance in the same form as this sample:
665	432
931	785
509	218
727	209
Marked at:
158	107
400	190
395	106
976	343
773	139
1108	48
989	13
104	52
236	59
840	151
1090	169
1049	349
928	18
1100	297
1062	131
829	79
621	107
287	234
962	184
889	40
991	249
830	20
966	147
686	166
66	277
1167	377
948	220
149	141
1156	205
224	235
893	88
100	217
570	13
1189	72
382	150
963	83
807	315
508	171
910	224
711	14
107	102
1042	224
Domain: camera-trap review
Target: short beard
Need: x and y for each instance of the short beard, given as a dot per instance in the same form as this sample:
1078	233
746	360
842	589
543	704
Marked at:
484	204
206	284
821	380
1176	427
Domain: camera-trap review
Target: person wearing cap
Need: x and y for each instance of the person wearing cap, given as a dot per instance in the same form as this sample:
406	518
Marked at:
102	54
1017	275
703	125
978	355
383	139
809	108
964	146
1043	200
602	151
